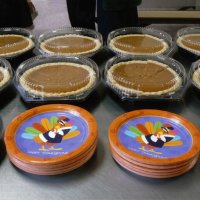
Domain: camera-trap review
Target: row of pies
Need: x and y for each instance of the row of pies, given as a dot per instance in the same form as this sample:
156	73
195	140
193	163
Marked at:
78	41
74	78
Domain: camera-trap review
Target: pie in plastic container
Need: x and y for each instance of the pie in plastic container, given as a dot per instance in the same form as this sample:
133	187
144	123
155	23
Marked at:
145	77
70	41
15	41
49	78
140	41
194	75
188	41
6	74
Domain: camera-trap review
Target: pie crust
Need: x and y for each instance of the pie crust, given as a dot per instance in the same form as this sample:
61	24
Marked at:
190	42
4	76
143	78
138	44
12	44
58	79
196	76
72	44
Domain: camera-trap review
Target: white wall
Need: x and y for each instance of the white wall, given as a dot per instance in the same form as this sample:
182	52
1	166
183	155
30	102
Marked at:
163	4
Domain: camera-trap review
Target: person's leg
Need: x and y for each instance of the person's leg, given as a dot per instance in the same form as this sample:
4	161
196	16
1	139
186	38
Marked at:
87	13
5	20
24	13
72	6
82	13
109	20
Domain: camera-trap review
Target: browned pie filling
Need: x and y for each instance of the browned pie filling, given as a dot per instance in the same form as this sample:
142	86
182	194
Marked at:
138	44
11	44
70	44
58	79
145	77
190	42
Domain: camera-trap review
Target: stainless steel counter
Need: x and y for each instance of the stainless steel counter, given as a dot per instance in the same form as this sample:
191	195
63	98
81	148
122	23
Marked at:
101	177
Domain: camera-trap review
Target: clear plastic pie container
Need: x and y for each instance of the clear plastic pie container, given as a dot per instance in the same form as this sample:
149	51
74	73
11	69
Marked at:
145	77
188	40
15	41
70	41
140	41
1	128
6	74
194	75
54	78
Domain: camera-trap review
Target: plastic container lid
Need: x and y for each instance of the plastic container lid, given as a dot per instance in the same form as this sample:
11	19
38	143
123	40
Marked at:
189	39
154	137
56	78
70	41
1	127
194	74
140	41
51	139
15	41
145	77
6	74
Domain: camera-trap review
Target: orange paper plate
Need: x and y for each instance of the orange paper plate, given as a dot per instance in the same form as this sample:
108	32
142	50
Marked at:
51	135
154	137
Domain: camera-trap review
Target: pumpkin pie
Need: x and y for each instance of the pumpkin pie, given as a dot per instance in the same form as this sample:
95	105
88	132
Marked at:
191	42
12	44
143	78
138	44
4	76
58	79
70	44
196	76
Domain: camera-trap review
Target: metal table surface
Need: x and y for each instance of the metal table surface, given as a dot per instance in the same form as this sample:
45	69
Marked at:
101	177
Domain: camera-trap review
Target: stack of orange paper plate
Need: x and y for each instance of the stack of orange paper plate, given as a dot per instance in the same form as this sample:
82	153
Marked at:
154	143
51	139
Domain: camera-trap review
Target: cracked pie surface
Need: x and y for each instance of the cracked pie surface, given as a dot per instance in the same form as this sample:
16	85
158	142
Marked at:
143	78
58	79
